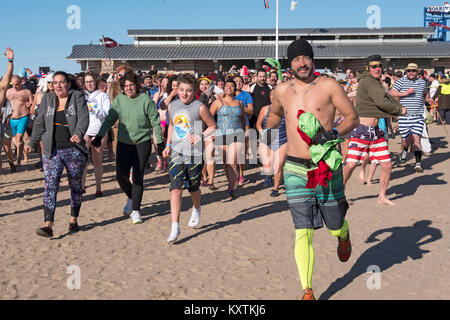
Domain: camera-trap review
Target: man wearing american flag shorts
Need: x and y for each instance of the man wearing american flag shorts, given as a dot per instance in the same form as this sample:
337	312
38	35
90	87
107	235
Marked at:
372	103
411	89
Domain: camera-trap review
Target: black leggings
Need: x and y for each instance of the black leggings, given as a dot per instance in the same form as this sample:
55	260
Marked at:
132	156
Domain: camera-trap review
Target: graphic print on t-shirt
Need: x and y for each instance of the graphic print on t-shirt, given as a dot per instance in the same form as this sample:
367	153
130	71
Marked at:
181	124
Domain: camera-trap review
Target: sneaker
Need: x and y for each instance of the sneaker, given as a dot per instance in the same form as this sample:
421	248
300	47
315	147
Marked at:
195	218
418	167
45	232
241	181
231	193
174	234
73	227
403	156
99	194
268	181
344	248
128	207
308	294
274	193
136	217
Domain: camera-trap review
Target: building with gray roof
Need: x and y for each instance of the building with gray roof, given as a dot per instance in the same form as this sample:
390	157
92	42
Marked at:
202	50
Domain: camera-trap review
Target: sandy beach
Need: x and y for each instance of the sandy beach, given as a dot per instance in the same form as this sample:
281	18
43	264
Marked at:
242	249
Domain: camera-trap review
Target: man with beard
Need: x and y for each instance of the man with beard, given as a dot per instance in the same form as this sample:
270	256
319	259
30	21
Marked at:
411	90
320	97
260	92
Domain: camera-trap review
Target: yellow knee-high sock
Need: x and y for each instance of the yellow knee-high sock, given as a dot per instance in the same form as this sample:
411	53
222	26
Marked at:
342	232
304	256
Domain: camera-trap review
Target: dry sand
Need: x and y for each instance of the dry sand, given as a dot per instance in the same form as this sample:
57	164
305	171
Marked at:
242	249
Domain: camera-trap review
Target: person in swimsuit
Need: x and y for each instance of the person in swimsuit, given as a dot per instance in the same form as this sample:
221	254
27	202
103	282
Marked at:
230	136
272	153
205	95
247	102
159	97
319	97
21	100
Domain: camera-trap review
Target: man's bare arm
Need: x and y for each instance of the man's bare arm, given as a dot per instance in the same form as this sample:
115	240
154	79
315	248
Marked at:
345	107
4	84
276	111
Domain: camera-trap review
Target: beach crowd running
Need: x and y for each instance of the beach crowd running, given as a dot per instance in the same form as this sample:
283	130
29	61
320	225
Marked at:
306	130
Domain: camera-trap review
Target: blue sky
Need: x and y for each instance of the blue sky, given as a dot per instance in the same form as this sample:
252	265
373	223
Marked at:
37	30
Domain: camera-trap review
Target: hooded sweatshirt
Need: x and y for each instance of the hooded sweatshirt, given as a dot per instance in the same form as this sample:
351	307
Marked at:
99	102
372	100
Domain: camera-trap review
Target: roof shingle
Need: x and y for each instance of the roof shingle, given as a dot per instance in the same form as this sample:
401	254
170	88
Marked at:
255	51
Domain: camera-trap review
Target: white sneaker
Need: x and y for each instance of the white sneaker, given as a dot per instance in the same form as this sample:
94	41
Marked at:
195	218
418	168
128	207
404	154
175	233
136	217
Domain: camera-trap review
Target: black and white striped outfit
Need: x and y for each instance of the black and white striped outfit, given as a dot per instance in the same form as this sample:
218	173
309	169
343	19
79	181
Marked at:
413	122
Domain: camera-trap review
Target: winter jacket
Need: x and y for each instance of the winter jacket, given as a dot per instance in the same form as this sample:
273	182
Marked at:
372	100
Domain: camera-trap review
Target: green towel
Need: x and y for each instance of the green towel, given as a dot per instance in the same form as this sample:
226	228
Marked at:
308	123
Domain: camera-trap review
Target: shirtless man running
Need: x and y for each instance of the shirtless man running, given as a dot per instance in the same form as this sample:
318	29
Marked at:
21	100
321	96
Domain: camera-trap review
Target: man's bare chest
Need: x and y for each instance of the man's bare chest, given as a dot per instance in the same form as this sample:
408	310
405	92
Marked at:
18	97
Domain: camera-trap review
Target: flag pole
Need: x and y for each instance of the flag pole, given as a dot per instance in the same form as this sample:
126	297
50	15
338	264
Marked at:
107	51
276	34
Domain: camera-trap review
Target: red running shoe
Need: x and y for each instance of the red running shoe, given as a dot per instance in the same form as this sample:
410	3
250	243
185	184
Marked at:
308	294
344	248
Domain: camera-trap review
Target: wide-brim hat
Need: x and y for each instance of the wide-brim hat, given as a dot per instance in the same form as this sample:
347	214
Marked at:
412	66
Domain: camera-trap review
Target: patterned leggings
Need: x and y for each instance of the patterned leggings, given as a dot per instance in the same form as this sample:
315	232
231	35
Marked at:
74	161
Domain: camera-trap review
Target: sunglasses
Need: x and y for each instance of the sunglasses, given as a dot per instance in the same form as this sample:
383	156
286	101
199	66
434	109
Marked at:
411	70
374	66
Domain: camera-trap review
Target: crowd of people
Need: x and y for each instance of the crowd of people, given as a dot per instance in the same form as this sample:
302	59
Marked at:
308	130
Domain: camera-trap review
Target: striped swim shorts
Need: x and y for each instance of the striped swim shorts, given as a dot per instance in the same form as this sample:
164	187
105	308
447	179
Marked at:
311	207
411	124
184	172
369	141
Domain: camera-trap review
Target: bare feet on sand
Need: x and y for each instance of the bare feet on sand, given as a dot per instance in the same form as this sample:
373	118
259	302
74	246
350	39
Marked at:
384	200
369	182
361	176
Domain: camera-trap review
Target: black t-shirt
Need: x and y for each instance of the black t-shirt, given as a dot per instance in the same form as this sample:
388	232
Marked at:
261	98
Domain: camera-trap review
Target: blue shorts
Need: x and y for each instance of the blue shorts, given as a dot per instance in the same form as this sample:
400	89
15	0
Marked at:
19	126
